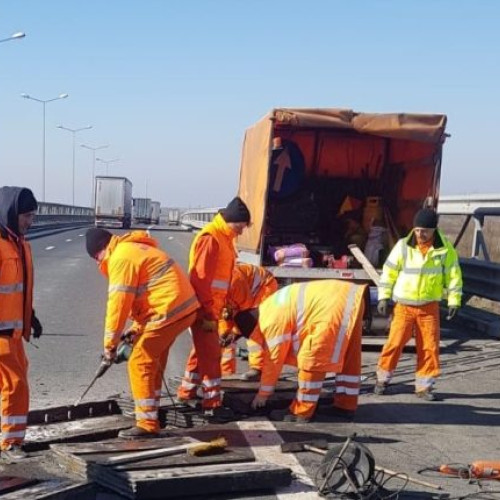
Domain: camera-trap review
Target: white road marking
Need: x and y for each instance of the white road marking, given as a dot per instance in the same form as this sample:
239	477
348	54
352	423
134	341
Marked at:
81	235
265	442
170	238
49	248
69	239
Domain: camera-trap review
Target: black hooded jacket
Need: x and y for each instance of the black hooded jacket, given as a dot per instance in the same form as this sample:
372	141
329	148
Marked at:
9	208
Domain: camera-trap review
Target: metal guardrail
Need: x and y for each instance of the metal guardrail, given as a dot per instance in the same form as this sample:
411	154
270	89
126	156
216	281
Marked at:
197	218
52	213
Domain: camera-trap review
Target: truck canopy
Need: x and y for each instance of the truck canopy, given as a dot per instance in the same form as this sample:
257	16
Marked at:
334	154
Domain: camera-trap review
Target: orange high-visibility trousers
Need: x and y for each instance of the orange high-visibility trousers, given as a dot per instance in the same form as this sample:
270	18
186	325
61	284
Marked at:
203	368
15	390
424	320
347	381
146	366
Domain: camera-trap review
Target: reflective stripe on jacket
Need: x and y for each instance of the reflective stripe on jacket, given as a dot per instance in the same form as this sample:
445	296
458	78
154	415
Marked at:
224	236
146	284
410	278
16	285
307	325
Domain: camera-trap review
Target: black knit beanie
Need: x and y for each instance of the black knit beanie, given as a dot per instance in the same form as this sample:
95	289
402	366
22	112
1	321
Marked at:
97	240
246	321
236	211
426	218
26	202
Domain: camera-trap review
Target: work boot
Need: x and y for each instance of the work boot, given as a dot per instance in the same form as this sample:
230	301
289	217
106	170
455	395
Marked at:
219	415
426	395
194	403
286	416
380	388
252	375
14	453
137	433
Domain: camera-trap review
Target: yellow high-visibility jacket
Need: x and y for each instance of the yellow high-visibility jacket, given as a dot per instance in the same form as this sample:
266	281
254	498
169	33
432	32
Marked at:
410	278
145	284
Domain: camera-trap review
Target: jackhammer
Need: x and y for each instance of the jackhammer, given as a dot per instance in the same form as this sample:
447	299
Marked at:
123	352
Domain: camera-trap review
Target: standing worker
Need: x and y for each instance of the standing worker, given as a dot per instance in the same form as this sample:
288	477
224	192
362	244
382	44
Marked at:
316	326
421	269
146	284
211	263
250	285
17	317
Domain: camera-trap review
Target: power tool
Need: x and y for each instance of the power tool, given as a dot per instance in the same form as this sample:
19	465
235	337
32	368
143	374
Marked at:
123	352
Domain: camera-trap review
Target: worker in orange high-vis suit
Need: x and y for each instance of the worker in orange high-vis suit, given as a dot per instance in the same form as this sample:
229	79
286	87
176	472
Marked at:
317	327
250	285
420	271
17	318
211	263
149	287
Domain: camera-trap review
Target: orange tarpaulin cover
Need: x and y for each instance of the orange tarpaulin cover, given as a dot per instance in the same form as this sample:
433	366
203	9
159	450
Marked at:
257	146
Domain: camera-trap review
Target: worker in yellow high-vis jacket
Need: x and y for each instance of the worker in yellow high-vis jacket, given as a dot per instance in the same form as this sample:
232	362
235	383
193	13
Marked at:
420	271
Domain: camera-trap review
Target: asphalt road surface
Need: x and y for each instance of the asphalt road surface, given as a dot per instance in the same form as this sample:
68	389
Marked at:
403	432
70	301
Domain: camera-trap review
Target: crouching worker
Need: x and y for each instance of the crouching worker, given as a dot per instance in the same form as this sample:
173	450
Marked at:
317	327
17	318
146	285
250	286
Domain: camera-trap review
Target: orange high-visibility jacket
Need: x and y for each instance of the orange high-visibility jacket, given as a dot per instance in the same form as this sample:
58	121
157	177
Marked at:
250	285
219	286
307	325
16	284
146	284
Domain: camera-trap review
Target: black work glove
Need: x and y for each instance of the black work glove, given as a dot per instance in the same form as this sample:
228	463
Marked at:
382	307
451	312
36	326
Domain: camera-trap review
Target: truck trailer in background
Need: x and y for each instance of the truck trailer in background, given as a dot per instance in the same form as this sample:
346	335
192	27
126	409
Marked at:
113	202
155	212
174	216
141	212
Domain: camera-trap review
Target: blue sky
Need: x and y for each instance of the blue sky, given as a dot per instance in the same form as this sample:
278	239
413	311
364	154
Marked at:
171	86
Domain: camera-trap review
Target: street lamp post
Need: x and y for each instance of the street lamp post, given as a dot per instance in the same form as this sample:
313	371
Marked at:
44	102
107	162
74	131
93	149
14	36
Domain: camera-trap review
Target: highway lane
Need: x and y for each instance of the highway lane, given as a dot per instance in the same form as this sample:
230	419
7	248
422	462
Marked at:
70	300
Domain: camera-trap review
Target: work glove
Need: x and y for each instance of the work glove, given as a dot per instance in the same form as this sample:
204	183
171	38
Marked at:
129	336
109	354
36	326
382	307
258	402
451	312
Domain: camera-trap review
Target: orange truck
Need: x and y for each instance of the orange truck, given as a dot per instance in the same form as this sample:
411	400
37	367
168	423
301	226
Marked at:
317	180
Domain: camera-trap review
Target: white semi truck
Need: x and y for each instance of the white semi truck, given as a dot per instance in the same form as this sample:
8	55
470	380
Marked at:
155	212
113	202
141	213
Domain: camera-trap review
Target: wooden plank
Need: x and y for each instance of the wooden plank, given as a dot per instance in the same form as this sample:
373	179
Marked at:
365	263
40	436
54	489
185	481
13	483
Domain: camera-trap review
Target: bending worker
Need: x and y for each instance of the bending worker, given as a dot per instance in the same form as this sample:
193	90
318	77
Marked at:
17	210
421	269
146	284
211	263
317	327
250	285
